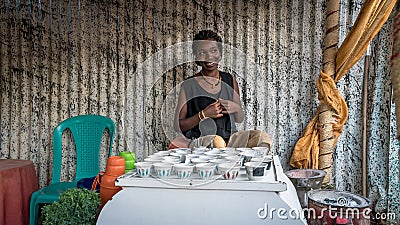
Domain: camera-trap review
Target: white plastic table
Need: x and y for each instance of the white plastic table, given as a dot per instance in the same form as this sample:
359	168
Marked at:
152	201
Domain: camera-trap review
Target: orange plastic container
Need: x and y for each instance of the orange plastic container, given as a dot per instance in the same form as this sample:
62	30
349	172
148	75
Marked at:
115	167
106	193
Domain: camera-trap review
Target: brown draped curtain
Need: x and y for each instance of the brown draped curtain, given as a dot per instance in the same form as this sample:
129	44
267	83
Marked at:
372	16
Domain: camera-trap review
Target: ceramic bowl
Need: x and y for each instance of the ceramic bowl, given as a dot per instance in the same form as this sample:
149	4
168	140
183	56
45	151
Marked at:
235	159
191	156
199	160
227	149
162	169
248	155
198	152
217	162
201	149
261	159
230	151
183	151
242	149
162	153
214	151
257	159
205	170
256	170
261	151
175	154
229	170
249	152
172	159
207	157
183	171
176	149
143	168
153	159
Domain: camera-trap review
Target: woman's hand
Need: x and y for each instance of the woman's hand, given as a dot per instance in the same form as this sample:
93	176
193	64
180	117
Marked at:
229	107
214	110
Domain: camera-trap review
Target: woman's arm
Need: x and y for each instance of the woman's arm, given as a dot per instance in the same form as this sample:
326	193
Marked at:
182	124
234	106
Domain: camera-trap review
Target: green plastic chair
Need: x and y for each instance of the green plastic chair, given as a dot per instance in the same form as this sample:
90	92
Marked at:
87	132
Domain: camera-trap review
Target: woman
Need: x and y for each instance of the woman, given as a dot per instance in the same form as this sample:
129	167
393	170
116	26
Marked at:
209	102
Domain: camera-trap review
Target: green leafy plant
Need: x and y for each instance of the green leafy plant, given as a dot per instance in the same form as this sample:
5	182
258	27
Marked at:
76	206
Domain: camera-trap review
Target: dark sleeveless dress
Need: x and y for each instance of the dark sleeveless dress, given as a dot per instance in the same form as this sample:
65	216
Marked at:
198	99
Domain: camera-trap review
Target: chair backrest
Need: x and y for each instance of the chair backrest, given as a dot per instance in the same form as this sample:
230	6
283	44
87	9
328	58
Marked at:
87	132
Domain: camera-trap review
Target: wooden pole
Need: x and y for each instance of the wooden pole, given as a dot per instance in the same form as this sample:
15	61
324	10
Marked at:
364	126
326	113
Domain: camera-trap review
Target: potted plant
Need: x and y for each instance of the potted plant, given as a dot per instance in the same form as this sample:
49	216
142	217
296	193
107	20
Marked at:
76	206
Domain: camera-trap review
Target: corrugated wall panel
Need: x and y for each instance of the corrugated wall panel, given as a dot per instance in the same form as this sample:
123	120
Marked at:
127	59
64	58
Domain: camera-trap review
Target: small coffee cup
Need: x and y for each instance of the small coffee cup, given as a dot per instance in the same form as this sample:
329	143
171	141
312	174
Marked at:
256	170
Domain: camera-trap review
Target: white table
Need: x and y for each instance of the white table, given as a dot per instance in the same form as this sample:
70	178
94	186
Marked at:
272	200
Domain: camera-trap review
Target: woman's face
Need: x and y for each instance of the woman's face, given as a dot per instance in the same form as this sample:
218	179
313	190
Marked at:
208	54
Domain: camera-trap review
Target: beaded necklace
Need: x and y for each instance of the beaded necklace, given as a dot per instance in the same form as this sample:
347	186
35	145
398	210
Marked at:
213	85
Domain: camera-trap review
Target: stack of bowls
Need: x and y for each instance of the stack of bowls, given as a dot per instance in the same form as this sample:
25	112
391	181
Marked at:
115	167
130	160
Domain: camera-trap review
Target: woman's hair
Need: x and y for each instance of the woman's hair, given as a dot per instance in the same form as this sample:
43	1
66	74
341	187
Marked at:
206	35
